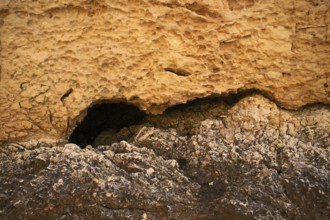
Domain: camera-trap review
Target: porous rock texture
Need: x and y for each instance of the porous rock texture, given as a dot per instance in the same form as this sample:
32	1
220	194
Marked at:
263	154
205	160
60	57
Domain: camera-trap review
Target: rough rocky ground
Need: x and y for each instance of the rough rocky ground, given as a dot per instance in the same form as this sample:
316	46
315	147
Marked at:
206	160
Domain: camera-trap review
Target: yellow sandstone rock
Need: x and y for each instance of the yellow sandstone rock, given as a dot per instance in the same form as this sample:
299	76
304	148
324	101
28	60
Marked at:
60	57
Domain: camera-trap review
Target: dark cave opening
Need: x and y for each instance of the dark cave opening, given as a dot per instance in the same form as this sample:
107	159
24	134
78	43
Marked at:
113	117
102	117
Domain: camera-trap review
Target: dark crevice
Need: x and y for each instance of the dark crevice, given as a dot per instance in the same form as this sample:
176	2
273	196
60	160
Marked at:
66	94
182	163
178	72
117	119
230	99
102	117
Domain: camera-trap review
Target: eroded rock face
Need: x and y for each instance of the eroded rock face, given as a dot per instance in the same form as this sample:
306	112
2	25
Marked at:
58	58
206	161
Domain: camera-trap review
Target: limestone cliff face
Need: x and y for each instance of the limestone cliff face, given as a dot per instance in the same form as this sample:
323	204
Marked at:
60	57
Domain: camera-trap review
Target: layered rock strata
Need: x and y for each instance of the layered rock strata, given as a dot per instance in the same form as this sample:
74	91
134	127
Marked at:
206	160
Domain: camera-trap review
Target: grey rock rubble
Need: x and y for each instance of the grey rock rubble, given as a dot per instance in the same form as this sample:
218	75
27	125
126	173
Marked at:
207	161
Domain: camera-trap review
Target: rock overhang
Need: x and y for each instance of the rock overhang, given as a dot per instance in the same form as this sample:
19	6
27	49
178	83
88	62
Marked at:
59	59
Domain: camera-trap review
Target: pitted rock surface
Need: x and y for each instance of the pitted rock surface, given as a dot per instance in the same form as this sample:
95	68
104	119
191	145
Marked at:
58	58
